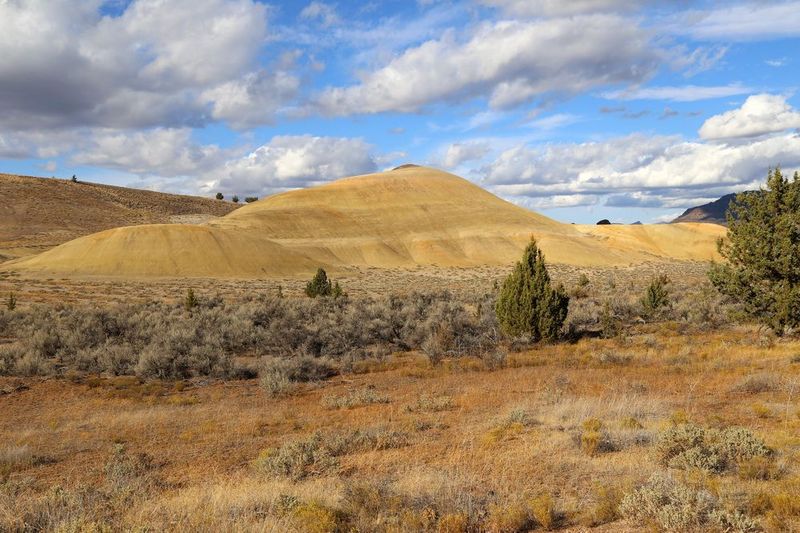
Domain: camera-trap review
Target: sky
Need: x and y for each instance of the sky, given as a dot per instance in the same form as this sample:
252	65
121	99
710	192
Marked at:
582	109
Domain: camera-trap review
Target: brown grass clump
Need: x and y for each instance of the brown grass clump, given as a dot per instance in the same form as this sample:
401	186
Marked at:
355	398
594	439
431	404
759	384
543	511
318	454
509	517
605	506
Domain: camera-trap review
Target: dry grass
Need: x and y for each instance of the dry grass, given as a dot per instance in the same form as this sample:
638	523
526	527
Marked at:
556	438
481	450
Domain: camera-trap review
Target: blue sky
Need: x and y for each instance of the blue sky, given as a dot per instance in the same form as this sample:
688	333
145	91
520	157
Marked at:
588	109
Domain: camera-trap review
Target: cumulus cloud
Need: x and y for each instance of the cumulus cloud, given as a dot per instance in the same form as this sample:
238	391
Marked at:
63	64
296	161
252	100
557	200
759	115
458	153
161	152
511	62
39	143
645	170
569	164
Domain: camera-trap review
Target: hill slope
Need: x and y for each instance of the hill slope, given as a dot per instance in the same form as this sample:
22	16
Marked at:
712	212
402	218
39	213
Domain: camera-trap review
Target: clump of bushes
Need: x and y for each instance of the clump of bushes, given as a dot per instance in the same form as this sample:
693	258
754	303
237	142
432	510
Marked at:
279	376
759	383
298	459
162	340
688	446
672	506
319	453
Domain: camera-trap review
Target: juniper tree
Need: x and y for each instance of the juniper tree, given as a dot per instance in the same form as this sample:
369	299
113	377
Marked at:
190	302
527	303
762	249
656	296
319	285
337	291
11	303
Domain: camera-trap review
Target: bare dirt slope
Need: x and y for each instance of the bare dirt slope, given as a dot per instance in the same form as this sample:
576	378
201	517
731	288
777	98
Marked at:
39	213
403	218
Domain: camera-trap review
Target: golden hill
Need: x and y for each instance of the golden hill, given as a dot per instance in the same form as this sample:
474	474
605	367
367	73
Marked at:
39	213
402	218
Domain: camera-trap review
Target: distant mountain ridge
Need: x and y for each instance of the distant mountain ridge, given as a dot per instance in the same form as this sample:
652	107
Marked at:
712	212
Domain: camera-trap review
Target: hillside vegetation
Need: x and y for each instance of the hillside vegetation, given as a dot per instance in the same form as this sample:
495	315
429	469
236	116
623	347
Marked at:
37	214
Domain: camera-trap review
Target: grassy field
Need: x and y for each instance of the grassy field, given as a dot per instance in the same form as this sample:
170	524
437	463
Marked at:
626	433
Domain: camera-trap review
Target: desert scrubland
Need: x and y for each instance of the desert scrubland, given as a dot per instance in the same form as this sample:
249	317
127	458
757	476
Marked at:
396	408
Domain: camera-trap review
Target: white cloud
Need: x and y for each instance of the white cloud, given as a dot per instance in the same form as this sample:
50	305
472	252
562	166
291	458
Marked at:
554	122
557	8
743	22
458	153
510	62
63	64
760	114
558	200
296	161
697	60
160	152
39	143
324	13
252	100
686	93
572	163
658	170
